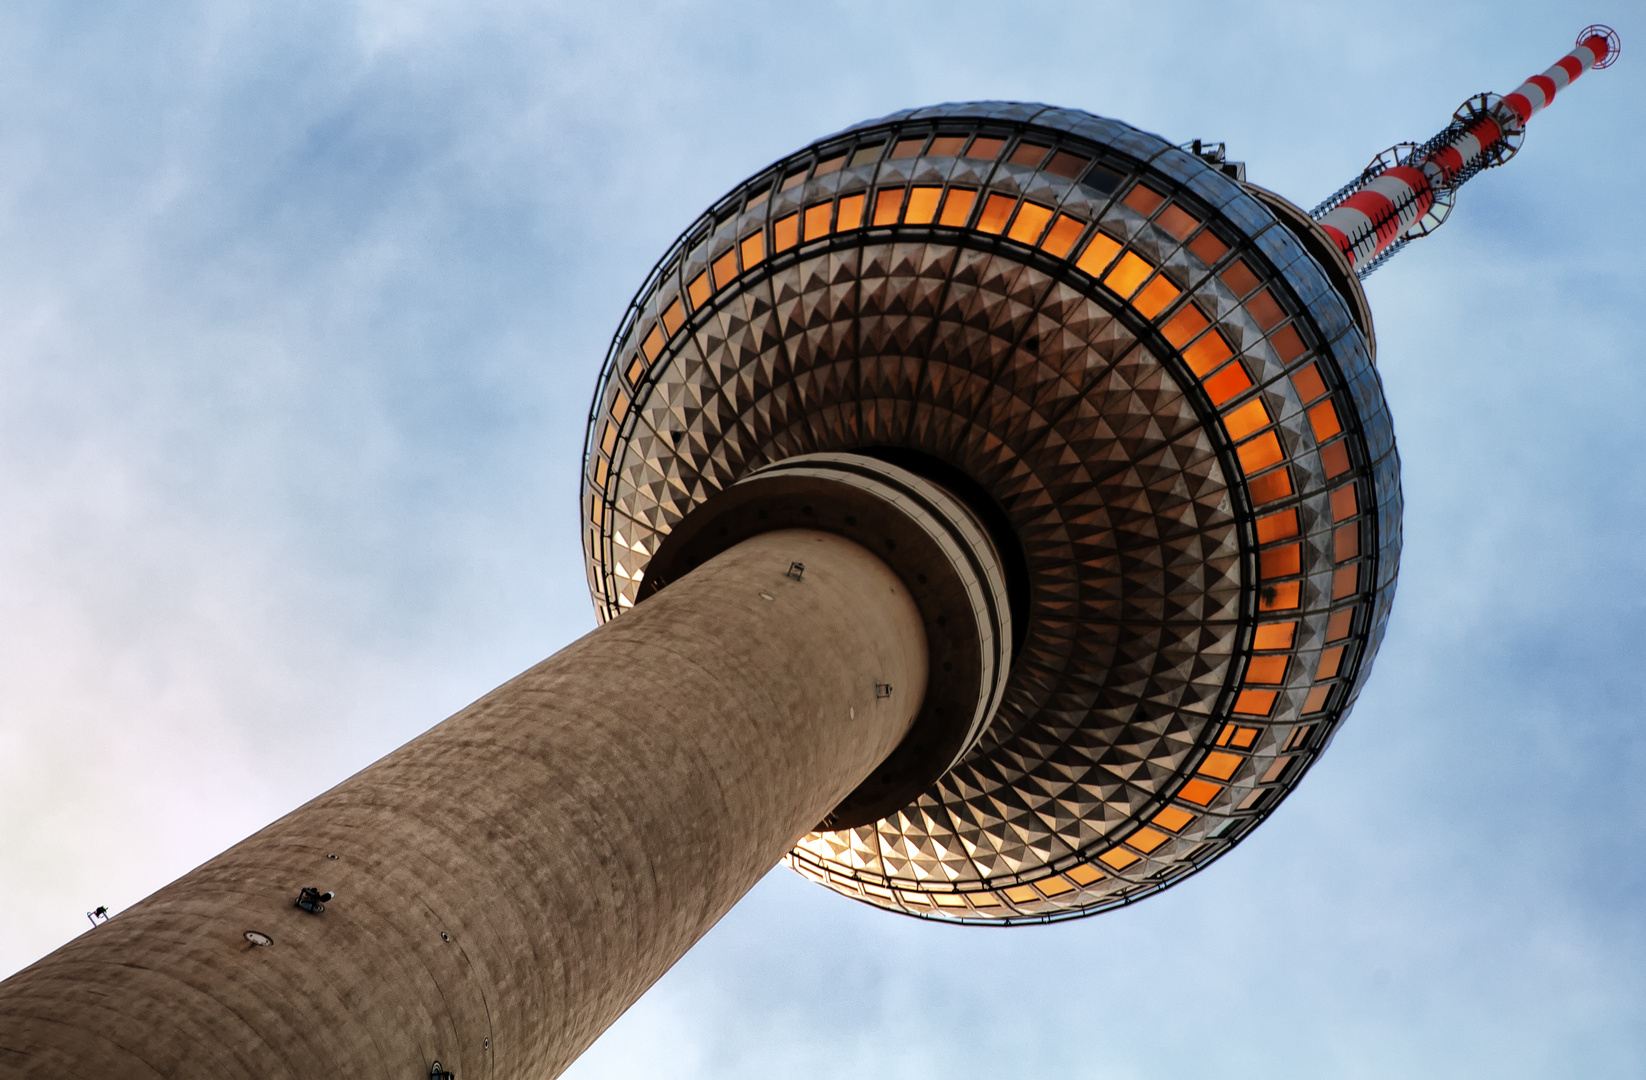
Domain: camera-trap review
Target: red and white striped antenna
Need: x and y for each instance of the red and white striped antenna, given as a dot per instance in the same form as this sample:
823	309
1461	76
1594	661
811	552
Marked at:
1407	191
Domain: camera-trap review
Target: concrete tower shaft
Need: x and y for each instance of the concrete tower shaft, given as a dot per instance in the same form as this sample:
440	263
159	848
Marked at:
508	883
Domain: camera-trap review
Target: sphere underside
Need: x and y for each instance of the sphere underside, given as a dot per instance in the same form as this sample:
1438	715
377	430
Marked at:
1154	385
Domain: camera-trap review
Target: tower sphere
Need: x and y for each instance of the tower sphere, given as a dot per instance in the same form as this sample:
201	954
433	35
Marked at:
1151	383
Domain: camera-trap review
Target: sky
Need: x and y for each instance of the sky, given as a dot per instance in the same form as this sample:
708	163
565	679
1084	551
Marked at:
301	307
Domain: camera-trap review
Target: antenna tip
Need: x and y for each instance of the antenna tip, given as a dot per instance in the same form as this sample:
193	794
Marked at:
1603	41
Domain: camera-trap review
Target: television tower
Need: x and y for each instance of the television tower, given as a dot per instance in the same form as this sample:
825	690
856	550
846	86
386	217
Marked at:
991	509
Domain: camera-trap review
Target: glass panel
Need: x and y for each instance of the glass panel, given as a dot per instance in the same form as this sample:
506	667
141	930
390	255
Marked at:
1281	526
1099	252
1172	818
1199	792
1067	165
602	469
1260	453
1156	297
786	232
637	368
674	317
1177	221
851	216
1102	180
1274	635
996	210
1084	874
1270	486
1054	886
653	345
1128	274
1345	582
1343	502
1346	543
867	154
1146	839
1281	561
1288	344
1309	384
1225	385
1064	232
886	206
1244	737
1335	459
1254	703
1021	894
985	148
608	438
1297	737
1250	417
1030	223
1118	858
753	249
1330	661
1282	597
1208	248
1323	418
946	146
724	269
817	223
1030	154
957	207
699	289
1264	309
832	165
620	407
793	180
907	148
922	205
1184	325
1144	199
1205	354
1337	627
1240	278
1316	699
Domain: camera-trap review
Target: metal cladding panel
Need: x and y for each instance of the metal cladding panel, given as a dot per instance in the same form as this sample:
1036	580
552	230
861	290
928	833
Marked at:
1152	380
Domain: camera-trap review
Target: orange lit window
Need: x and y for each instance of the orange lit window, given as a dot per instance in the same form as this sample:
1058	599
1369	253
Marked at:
1199	792
866	154
949	900
817	223
1330	661
1172	818
1309	384
1084	874
1177	221
886	206
1241	738
1054	886
724	269
851	215
1250	417
1323	418
1316	699
1239	278
1346	543
1281	561
597	512
1205	354
1254	703
753	249
1335	460
922	205
793	180
1226	384
957	207
1281	526
1345	582
1156	297
1275	771
1270	486
637	368
1274	635
1030	154
946	146
1288	344
1146	839
985	148
699	289
1118	858
1067	165
1064	232
1144	199
1221	766
1030	223
1343	502
608	438
1282	597
1099	251
1184	325
674	317
1298	735
907	148
1208	248
1260	453
653	345
996	210
620	407
601	470
832	165
1021	894
786	232
1337	627
1128	274
1264	309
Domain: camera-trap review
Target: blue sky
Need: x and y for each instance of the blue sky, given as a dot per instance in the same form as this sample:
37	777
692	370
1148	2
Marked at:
301	306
